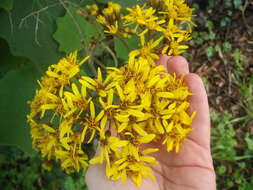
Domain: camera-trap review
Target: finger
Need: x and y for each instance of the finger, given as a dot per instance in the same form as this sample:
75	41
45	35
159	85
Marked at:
199	103
178	65
163	61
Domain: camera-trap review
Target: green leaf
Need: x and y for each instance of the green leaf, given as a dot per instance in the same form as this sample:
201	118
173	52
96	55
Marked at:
69	183
227	46
73	31
209	51
31	36
8	62
249	141
6	4
221	169
238	4
17	88
124	46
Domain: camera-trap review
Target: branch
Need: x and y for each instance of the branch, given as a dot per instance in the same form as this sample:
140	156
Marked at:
36	12
11	21
71	15
112	53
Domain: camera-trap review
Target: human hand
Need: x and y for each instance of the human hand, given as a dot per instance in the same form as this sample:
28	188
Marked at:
192	167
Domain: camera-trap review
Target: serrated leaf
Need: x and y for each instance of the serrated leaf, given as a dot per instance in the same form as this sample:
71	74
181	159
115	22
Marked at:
27	40
124	46
6	4
73	31
17	87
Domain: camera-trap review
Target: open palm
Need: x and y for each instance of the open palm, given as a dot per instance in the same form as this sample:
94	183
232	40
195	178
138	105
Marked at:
192	167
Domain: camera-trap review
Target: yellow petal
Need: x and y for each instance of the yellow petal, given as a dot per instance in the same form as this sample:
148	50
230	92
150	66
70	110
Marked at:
136	113
149	150
75	89
89	80
99	116
165	94
122	127
147	138
103	122
100	79
148	159
92	110
139	130
85	59
92	136
159	126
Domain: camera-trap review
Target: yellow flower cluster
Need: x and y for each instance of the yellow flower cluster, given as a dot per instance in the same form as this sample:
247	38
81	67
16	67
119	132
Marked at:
136	104
143	105
168	21
131	106
54	111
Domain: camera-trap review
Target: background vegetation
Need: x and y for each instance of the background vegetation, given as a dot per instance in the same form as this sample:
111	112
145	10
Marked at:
36	33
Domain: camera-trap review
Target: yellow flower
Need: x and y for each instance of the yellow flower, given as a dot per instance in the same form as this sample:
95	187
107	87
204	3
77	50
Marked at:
94	84
153	25
92	9
177	10
132	164
47	142
112	29
115	6
175	136
72	160
140	15
91	123
146	51
110	111
65	69
76	101
174	47
102	20
108	146
111	14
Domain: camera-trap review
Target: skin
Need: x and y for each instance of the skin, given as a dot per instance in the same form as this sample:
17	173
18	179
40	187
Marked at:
191	168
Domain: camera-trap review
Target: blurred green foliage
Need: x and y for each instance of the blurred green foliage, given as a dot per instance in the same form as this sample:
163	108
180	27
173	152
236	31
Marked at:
232	163
20	171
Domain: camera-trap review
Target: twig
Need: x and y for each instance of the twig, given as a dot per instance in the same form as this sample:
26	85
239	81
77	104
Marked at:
112	53
36	29
72	17
11	21
36	12
90	63
243	15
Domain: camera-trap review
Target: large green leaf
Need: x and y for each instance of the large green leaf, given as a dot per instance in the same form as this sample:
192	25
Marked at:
6	4
124	46
32	38
17	88
8	62
73	31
